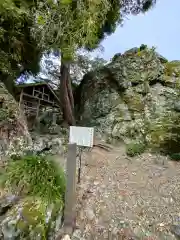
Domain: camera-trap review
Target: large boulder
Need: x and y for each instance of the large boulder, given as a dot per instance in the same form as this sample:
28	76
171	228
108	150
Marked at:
13	127
124	99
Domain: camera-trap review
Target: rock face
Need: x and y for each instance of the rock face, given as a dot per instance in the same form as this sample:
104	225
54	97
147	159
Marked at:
29	218
128	98
13	128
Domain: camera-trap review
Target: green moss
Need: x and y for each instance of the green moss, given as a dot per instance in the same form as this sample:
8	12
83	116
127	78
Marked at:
172	68
158	132
164	134
134	149
30	215
3	114
140	52
134	102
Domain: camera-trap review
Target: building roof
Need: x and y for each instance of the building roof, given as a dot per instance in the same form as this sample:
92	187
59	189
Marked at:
42	84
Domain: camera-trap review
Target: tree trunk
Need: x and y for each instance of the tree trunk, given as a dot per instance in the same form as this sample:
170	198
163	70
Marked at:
66	94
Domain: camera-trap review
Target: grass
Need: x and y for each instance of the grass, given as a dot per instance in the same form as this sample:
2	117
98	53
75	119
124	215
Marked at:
35	176
134	149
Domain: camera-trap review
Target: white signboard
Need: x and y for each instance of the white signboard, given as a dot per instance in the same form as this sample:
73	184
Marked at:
82	136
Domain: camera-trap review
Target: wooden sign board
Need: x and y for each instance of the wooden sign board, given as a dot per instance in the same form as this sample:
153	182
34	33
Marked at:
82	136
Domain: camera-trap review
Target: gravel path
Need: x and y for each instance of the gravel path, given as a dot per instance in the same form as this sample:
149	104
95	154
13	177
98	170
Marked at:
121	198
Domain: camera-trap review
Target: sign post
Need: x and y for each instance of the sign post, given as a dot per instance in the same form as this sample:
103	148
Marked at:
83	137
70	195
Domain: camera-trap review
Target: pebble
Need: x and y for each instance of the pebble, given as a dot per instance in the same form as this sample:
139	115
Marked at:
76	235
90	214
96	183
66	237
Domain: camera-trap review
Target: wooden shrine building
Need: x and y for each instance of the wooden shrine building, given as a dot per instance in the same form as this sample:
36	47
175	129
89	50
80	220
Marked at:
34	98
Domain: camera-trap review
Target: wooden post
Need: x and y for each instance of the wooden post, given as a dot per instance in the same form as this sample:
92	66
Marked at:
20	100
38	105
70	196
54	118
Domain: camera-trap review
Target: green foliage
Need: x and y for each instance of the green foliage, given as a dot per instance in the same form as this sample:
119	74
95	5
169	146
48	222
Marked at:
28	27
18	49
36	176
33	218
3	114
175	156
164	134
70	25
143	47
172	68
134	102
134	149
159	131
171	143
34	211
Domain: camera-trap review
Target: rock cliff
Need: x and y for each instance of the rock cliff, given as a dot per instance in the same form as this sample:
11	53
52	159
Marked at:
132	97
13	127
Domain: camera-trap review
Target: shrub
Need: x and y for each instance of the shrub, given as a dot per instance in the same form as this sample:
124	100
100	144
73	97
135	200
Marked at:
164	134
35	176
172	67
175	156
171	143
143	47
134	149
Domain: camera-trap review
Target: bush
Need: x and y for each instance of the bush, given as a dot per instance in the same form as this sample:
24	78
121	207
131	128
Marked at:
143	47
172	68
175	156
134	149
35	176
171	143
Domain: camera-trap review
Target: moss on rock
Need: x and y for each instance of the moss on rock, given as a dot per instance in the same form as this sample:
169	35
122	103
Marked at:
144	82
31	218
172	69
13	125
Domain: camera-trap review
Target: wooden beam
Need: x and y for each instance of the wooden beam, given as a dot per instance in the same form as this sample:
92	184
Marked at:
37	113
32	97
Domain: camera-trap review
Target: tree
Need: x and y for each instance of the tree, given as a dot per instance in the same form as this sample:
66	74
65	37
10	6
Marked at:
77	24
80	65
18	49
30	26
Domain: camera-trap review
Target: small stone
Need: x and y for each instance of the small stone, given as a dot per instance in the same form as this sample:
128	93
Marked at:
90	214
96	183
175	229
66	237
115	231
76	235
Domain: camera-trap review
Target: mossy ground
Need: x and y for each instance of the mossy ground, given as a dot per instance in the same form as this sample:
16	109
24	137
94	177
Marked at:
40	182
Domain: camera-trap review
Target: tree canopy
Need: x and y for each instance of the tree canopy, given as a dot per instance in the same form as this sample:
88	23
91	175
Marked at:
17	46
29	26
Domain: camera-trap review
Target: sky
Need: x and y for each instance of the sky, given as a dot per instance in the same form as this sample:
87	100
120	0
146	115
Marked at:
159	27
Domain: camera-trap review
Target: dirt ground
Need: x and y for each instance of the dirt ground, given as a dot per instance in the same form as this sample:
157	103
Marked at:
127	198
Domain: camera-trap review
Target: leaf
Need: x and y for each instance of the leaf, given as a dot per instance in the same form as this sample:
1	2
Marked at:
66	1
41	20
